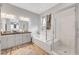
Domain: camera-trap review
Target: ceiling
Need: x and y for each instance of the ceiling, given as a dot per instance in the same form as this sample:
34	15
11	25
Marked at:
35	7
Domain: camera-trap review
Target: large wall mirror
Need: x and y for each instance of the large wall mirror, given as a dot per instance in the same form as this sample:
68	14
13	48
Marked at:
13	23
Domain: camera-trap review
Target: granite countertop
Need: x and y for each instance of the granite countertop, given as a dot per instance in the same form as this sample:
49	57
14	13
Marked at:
12	33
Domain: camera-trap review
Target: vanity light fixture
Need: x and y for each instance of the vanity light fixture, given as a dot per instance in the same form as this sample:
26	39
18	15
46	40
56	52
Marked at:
24	18
10	16
5	15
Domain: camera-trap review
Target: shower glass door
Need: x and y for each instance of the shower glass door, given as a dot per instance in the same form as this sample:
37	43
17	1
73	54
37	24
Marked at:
64	42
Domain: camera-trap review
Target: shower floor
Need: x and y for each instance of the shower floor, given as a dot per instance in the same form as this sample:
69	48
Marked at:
63	49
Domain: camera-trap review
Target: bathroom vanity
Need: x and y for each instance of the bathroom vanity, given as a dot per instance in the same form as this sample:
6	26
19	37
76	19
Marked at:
9	40
14	32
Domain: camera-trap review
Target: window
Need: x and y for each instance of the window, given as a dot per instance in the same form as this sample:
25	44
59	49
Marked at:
43	21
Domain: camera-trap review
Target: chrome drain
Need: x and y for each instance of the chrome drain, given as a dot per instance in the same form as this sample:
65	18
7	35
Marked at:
65	51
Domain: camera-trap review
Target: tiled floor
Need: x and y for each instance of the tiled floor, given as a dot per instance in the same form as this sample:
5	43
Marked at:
63	49
25	49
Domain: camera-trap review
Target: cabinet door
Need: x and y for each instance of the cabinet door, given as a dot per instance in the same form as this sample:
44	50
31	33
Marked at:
26	38
10	40
19	39
3	42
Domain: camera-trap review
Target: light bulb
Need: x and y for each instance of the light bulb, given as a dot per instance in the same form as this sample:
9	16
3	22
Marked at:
3	15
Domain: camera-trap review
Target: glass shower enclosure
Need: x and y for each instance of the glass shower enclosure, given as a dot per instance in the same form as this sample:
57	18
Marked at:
64	33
